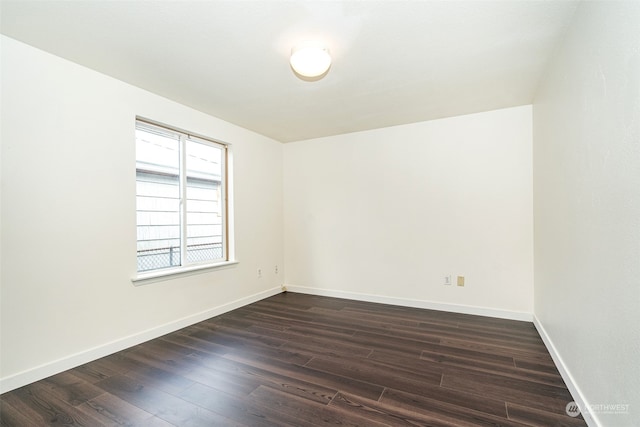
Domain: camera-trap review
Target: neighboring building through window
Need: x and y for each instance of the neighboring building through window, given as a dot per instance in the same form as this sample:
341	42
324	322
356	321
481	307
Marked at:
180	199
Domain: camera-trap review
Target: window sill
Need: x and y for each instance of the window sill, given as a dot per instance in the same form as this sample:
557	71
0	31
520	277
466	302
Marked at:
172	273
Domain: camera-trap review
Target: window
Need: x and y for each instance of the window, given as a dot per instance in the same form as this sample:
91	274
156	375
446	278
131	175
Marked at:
181	208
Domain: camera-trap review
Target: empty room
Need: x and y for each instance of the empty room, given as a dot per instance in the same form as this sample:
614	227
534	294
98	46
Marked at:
305	213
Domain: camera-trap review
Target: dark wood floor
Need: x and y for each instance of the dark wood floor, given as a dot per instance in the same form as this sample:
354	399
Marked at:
300	360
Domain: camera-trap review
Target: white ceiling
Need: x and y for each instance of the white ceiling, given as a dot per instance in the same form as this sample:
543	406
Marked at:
394	62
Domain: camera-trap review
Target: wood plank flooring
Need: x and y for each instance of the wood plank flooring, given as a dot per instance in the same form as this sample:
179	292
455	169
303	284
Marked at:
301	360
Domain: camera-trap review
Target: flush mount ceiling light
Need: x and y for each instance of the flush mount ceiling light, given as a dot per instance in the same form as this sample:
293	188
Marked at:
310	61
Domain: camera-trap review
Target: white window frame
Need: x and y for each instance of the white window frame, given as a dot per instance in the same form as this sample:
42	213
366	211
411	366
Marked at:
226	189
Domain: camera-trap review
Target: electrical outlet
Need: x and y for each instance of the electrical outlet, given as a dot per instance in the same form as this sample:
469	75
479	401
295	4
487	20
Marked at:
447	280
259	273
460	280
276	269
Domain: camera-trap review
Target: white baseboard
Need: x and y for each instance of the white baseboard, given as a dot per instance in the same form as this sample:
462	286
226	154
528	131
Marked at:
51	368
406	302
577	395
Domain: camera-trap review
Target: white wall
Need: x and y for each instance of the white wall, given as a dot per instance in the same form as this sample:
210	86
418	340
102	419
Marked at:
390	212
69	225
587	205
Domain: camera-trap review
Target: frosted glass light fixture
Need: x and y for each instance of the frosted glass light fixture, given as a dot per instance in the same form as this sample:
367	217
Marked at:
310	61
